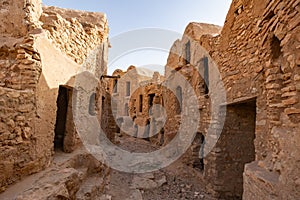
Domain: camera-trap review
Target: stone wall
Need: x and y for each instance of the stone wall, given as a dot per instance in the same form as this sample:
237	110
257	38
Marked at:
32	70
75	33
187	60
122	90
145	109
21	68
19	17
131	102
104	109
257	54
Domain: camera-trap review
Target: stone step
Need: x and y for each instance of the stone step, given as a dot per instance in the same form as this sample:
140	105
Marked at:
54	184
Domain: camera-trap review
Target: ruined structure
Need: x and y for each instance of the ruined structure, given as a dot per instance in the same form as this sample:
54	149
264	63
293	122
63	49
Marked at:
133	94
42	51
255	58
257	55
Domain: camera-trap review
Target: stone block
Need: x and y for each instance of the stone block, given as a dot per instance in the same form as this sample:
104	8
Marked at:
289	94
290	111
290	101
272	86
259	183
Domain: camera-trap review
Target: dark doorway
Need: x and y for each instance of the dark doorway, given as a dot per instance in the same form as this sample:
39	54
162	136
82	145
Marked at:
150	102
141	103
236	146
150	99
198	152
61	118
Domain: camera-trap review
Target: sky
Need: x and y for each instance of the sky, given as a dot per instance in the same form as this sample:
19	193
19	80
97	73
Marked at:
127	16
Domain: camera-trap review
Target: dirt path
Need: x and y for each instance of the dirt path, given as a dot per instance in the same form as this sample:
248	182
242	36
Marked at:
177	181
174	182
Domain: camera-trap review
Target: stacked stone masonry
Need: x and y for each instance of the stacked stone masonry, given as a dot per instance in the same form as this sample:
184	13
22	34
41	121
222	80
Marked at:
257	54
134	93
36	44
254	58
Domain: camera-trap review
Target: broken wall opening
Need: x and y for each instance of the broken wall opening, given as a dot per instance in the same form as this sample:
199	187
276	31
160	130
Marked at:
141	104
198	152
235	148
188	52
275	48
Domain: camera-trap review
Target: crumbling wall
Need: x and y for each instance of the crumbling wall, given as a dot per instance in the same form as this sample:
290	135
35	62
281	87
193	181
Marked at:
258	54
19	17
75	33
141	110
104	108
186	60
32	70
131	102
20	71
124	87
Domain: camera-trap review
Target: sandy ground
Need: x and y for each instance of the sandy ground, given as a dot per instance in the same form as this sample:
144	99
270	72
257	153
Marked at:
174	182
181	181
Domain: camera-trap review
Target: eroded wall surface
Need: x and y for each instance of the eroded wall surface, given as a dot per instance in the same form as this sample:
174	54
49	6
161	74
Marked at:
258	52
35	61
185	71
130	97
257	55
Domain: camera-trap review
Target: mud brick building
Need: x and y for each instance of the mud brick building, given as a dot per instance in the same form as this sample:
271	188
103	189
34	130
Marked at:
245	77
254	61
134	93
42	51
257	54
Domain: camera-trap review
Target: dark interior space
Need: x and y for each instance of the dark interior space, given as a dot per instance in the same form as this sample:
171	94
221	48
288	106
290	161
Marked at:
61	115
151	98
150	102
237	145
198	152
141	103
275	48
